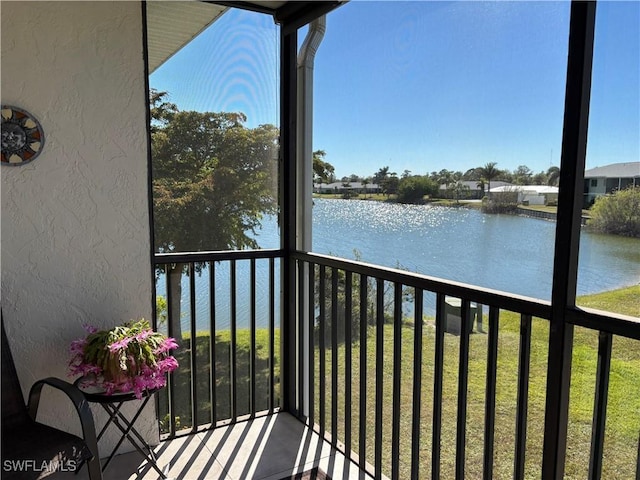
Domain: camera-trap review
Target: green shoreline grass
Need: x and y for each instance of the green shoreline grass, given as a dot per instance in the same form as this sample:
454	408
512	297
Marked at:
623	420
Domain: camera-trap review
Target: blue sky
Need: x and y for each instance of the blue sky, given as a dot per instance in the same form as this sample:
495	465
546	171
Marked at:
427	85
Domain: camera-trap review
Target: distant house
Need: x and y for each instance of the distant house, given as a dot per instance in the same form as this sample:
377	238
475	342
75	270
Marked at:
531	194
343	187
474	192
602	180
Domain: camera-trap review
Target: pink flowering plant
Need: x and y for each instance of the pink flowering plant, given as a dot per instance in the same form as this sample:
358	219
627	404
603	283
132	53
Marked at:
128	358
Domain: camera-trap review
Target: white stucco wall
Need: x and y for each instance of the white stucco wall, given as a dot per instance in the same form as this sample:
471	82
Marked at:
75	227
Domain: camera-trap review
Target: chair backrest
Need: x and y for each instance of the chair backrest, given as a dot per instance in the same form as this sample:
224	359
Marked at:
14	410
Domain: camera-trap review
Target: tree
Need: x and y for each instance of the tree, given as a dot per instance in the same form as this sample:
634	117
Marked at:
618	213
365	182
472	174
213	180
460	190
381	175
391	184
413	189
370	305
539	178
480	185
448	178
488	173
387	181
162	111
553	176
322	170
522	175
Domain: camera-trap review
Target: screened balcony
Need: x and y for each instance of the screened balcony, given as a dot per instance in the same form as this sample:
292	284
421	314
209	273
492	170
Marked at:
401	395
398	395
359	366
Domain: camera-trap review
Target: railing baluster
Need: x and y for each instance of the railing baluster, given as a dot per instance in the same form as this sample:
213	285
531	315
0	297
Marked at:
438	364
605	345
194	347
490	400
301	311
212	342
417	384
312	345
463	377
379	375
232	343
523	396
252	333
322	354
362	412
397	368
638	460
334	357
272	334
171	400
348	313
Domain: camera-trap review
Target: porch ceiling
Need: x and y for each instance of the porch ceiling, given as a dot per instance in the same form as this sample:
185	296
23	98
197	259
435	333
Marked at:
173	24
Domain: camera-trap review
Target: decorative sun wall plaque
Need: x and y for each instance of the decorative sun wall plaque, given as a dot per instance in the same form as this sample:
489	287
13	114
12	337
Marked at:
22	136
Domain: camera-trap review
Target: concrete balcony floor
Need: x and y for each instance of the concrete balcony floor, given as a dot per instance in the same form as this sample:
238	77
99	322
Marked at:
268	448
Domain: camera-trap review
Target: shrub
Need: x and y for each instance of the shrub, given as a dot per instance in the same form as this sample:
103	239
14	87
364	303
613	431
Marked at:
618	214
503	202
413	189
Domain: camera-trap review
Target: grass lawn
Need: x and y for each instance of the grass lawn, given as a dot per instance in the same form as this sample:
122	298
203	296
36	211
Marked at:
623	420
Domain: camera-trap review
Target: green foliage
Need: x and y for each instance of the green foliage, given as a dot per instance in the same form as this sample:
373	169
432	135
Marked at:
553	176
502	202
323	171
618	213
126	361
370	312
387	181
488	173
161	309
413	189
213	179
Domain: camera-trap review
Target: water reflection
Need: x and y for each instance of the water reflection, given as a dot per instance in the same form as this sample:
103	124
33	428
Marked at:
503	252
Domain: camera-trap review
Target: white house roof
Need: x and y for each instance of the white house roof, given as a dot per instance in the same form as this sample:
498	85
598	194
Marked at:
473	184
615	170
526	189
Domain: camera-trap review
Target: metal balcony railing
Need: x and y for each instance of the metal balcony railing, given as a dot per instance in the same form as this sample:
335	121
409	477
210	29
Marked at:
389	366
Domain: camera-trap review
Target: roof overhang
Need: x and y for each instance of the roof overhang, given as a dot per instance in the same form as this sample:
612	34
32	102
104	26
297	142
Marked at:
173	24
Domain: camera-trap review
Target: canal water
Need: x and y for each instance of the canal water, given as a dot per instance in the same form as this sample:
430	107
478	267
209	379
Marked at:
502	252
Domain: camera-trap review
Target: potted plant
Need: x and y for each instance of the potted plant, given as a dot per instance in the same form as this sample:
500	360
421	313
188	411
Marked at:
127	358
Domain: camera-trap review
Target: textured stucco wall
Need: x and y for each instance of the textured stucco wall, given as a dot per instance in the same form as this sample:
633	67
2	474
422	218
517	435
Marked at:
75	228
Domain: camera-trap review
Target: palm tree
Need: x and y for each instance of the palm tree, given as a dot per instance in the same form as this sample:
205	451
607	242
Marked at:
489	172
480	185
553	175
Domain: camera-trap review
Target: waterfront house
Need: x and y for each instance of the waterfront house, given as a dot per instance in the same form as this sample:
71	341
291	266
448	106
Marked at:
531	194
346	187
610	178
77	248
472	189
